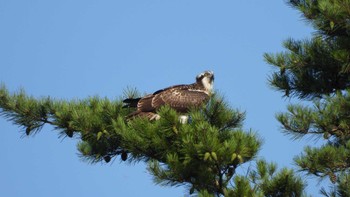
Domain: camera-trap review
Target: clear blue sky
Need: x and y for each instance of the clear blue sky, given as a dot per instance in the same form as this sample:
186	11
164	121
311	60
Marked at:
75	49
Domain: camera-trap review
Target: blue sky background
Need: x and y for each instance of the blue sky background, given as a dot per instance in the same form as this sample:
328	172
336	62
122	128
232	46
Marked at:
75	49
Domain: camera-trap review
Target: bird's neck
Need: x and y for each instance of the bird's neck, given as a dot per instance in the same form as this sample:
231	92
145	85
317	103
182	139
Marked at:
208	85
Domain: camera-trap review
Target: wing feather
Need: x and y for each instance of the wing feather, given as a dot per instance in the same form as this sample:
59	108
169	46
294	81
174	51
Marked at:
145	104
180	98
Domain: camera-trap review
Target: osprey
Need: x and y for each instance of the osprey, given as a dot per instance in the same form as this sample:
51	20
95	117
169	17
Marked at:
179	97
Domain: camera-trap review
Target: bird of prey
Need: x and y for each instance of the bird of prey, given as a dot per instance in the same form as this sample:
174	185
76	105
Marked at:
181	98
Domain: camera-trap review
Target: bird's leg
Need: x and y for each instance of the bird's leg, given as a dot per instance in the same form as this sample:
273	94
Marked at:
183	119
154	117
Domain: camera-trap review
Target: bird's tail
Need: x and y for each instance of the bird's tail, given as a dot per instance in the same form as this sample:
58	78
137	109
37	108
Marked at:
130	102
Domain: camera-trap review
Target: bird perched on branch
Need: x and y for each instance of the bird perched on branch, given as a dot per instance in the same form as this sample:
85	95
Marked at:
179	97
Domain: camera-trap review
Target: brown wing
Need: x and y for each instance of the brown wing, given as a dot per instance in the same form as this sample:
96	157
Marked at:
180	98
145	104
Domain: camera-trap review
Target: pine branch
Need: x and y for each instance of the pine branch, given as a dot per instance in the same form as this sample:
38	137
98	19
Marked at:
90	119
329	118
271	182
326	161
203	154
25	111
318	69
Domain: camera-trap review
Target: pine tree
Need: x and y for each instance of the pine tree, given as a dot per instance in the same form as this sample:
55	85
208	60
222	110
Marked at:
318	70
203	154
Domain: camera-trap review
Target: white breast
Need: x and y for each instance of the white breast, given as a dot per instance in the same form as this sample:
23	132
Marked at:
207	85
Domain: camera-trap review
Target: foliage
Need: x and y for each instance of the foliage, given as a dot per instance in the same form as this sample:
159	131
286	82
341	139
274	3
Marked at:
318	66
202	154
318	69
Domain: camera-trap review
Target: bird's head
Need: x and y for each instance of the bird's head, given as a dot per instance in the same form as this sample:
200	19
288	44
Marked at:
206	79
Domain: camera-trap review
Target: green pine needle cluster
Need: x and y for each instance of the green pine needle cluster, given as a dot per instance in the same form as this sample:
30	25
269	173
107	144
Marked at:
318	66
276	183
265	180
202	154
309	69
91	120
328	118
318	69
